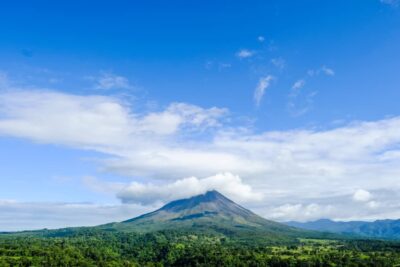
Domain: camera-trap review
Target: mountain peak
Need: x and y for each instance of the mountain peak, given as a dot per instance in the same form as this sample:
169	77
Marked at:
209	196
212	193
209	204
209	211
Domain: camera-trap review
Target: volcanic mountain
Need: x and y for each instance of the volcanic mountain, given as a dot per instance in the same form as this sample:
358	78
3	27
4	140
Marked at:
207	213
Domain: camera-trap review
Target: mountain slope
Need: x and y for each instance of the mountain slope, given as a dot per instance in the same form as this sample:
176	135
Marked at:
208	213
388	229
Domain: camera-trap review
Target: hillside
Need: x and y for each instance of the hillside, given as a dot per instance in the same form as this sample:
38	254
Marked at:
386	229
210	213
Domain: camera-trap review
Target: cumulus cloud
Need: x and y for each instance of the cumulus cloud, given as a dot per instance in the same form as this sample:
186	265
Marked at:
245	53
262	85
184	140
86	121
226	183
140	147
362	195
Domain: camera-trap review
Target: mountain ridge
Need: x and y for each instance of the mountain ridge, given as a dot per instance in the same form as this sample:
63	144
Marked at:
385	229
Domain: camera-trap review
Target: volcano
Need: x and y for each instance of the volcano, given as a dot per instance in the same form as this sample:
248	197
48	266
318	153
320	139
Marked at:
209	213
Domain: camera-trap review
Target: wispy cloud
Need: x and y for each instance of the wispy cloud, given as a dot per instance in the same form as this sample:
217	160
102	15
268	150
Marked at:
261	38
328	71
393	3
299	84
108	81
280	63
262	85
300	101
323	70
245	53
297	108
294	106
220	66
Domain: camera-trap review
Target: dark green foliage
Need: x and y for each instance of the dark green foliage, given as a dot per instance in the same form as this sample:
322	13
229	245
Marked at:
171	248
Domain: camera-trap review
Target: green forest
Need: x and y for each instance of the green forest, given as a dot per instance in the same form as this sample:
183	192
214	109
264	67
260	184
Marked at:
88	247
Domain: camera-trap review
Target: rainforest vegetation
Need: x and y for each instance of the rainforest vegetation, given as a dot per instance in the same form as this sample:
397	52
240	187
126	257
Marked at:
172	248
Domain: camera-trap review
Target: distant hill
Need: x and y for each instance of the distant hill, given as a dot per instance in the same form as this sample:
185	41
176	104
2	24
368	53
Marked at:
387	229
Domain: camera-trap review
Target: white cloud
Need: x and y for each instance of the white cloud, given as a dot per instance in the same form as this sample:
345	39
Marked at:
299	84
139	145
279	63
301	212
362	195
336	207
305	166
299	102
324	70
245	53
226	183
87	121
263	84
17	216
373	204
328	71
53	117
261	38
297	107
108	81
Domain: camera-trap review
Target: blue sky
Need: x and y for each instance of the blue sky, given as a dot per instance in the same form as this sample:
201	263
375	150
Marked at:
109	109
